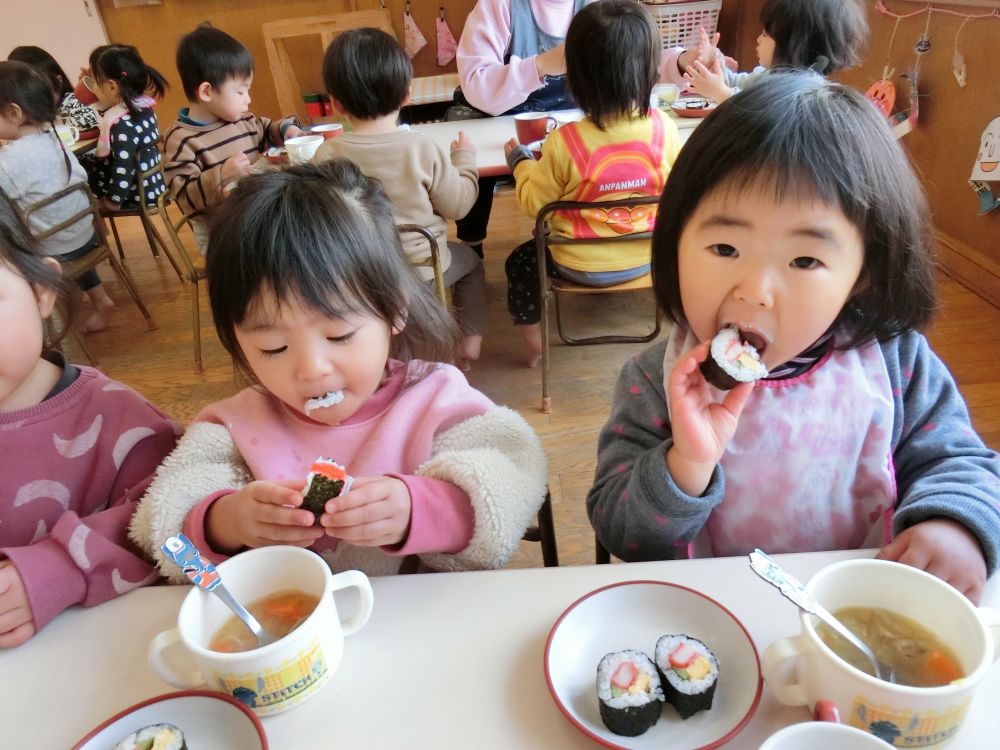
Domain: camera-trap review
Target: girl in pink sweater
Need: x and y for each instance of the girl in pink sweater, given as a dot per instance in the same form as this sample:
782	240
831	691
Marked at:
76	452
312	296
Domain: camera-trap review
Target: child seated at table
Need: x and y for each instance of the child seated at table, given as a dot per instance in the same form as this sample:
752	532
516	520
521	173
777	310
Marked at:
215	139
821	35
312	296
369	75
35	165
127	144
621	149
858	436
69	109
76	452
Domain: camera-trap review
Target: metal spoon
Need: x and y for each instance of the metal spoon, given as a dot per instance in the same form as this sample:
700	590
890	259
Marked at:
790	586
203	574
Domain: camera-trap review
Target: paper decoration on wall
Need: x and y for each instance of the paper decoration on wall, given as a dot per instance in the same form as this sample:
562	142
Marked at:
958	67
446	43
883	93
413	39
987	167
905	121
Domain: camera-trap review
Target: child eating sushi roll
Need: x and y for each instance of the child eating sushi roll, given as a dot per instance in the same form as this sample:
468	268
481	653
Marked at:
313	297
794	221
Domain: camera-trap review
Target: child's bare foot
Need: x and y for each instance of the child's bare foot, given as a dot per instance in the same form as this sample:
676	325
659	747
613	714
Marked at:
532	343
97	321
468	352
102	305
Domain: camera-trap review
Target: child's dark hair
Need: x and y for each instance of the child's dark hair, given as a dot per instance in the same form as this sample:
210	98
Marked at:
210	55
612	59
795	136
804	31
121	63
28	88
20	254
367	72
323	234
41	60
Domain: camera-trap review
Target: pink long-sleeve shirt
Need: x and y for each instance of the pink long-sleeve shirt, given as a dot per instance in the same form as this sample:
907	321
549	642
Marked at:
72	469
391	435
493	87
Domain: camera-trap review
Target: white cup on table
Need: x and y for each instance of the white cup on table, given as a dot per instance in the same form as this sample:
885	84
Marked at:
279	676
68	134
302	148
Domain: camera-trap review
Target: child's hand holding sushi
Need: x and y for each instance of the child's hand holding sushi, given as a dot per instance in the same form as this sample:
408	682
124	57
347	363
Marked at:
375	513
944	548
701	427
708	80
16	621
258	515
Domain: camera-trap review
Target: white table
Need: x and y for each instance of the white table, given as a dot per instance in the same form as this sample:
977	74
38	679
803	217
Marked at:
489	134
448	660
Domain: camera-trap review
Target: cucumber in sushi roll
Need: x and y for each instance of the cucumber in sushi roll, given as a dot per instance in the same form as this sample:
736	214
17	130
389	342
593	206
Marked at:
628	689
689	672
154	737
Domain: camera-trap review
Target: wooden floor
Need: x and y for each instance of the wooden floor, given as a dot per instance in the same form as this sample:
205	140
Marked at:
159	364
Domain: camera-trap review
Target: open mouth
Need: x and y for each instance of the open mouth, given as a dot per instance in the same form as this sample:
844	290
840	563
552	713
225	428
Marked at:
754	339
332	398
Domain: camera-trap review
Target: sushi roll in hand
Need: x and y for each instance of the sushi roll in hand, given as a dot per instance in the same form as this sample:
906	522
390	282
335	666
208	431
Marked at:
628	689
689	673
154	737
732	360
327	479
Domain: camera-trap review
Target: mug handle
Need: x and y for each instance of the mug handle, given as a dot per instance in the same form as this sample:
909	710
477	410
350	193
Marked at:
826	711
789	693
364	610
75	132
990	617
550	124
167	673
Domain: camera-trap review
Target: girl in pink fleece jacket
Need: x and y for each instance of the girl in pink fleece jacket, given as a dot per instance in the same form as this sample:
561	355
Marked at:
76	452
313	297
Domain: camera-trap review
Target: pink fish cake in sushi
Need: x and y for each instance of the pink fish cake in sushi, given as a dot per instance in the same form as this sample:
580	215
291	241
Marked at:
731	360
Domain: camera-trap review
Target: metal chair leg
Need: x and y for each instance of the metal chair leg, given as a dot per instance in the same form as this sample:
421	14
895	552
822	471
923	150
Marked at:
123	275
118	240
547	534
154	236
601	555
196	326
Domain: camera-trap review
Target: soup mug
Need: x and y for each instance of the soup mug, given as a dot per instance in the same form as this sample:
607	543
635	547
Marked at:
328	130
532	126
283	674
821	734
302	148
803	670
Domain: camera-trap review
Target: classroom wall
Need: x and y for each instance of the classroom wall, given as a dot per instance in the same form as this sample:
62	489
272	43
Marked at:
155	30
946	141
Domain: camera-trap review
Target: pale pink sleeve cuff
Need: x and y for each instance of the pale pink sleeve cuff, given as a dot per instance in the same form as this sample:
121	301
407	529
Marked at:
194	528
670	71
441	517
52	581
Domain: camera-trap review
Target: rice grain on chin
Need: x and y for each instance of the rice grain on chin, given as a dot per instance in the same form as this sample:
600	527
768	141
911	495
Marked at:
330	399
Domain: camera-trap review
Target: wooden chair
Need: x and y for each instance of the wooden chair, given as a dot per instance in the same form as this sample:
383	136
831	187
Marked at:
326	27
194	270
551	288
601	554
432	261
74	269
145	211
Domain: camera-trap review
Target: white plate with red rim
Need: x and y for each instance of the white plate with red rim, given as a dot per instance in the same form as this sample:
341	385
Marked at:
634	614
208	720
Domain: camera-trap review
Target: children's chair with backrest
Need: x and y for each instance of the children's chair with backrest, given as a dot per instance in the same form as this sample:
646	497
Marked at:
551	288
432	261
193	269
73	269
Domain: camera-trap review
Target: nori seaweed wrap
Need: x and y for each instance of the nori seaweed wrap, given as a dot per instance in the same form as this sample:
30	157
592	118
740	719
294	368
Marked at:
628	690
689	673
326	479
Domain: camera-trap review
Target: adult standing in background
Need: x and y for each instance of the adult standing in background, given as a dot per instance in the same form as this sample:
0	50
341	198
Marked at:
510	59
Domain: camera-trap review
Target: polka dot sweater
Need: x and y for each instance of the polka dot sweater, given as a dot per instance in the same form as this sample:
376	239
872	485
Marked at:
134	148
73	468
941	466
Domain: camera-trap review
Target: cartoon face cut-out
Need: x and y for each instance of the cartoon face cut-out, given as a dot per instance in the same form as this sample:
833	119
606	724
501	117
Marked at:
987	166
621	219
883	95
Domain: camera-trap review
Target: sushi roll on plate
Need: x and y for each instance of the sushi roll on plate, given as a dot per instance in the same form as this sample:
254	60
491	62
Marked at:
732	360
689	673
628	690
154	737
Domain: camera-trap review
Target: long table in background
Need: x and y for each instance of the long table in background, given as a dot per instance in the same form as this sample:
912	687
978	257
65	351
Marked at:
447	660
489	135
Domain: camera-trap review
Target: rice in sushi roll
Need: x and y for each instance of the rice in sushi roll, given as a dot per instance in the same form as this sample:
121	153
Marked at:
689	672
628	689
154	737
732	360
327	479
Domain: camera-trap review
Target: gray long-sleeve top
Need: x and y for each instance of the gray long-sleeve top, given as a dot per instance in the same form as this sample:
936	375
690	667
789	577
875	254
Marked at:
942	472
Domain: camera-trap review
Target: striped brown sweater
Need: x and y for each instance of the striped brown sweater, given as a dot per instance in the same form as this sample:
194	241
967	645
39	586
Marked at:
194	155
